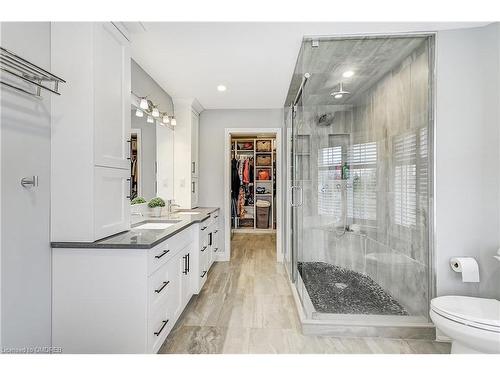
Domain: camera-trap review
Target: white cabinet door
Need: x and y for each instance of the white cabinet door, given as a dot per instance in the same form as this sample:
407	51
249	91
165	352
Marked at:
111	202
185	275
194	192
195	129
111	96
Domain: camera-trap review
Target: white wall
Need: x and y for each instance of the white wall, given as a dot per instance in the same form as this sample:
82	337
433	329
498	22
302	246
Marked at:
467	157
213	123
25	151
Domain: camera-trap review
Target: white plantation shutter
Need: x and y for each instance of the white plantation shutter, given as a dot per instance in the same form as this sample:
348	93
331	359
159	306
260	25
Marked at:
362	196
329	198
405	179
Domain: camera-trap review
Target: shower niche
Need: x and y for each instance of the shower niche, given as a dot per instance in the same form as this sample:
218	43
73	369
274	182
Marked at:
361	125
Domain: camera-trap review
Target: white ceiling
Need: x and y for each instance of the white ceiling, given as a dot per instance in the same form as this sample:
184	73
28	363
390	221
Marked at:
254	60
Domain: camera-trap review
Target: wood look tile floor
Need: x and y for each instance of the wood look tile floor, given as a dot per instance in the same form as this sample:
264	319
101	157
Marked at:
246	306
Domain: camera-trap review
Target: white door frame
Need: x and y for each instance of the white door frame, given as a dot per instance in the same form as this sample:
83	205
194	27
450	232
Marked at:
227	182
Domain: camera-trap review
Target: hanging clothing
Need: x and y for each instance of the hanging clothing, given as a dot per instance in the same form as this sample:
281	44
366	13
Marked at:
246	172
235	179
250	166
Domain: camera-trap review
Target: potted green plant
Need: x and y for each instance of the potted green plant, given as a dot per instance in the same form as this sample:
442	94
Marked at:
156	205
138	200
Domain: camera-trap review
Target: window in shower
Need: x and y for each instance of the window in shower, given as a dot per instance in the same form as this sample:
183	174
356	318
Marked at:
405	180
362	193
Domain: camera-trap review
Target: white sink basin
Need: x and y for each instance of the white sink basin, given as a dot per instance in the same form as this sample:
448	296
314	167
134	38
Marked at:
188	213
158	226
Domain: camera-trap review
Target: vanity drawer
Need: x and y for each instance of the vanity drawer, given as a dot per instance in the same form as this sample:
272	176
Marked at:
204	226
159	326
163	252
161	285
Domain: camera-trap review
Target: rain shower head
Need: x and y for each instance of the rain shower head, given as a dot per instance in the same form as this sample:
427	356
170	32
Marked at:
340	92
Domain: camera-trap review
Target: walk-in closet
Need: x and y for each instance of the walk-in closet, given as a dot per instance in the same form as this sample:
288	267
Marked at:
253	183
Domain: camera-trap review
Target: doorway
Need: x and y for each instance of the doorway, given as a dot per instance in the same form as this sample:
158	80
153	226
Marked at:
253	206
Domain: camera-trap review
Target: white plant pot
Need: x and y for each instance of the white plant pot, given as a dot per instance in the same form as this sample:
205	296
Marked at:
156	211
140	208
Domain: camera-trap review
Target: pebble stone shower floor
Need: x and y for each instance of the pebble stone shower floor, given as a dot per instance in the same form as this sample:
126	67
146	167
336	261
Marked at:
338	290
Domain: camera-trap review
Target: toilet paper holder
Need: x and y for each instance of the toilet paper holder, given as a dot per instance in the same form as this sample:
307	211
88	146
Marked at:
468	267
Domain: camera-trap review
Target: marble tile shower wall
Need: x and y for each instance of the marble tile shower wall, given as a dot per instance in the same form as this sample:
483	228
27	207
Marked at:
394	113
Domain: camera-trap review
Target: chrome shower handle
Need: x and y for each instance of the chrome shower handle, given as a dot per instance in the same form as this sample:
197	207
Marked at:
301	196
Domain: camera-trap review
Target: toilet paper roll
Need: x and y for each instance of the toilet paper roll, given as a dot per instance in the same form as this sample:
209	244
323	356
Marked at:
468	267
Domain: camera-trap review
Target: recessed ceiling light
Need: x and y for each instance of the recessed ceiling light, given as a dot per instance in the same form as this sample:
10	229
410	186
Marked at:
221	88
338	96
348	74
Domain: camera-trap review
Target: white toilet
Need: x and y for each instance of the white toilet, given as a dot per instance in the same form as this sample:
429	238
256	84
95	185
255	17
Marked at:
473	324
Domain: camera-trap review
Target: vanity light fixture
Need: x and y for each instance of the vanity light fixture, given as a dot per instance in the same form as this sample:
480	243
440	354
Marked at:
139	113
150	119
144	103
348	74
155	112
165	119
173	122
221	88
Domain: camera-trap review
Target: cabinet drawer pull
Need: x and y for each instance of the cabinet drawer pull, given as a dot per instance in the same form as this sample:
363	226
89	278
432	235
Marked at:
165	283
215	231
215	250
162	254
216	216
203	274
203	228
185	271
161	328
203	248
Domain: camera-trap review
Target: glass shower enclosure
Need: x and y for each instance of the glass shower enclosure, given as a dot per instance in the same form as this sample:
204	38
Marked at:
359	116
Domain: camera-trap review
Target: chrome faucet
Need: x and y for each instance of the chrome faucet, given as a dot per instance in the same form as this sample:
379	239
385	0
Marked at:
170	204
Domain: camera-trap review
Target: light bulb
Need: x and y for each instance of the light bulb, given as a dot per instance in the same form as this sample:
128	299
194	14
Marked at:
156	112
144	103
221	88
174	121
150	119
348	74
165	119
338	96
139	113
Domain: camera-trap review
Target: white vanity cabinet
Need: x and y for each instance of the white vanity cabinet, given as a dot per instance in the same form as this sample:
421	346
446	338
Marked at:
90	130
120	300
186	143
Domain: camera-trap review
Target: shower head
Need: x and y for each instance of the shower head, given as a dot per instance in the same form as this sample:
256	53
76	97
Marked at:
340	92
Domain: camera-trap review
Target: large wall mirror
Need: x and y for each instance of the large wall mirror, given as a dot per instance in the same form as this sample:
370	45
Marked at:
152	138
151	158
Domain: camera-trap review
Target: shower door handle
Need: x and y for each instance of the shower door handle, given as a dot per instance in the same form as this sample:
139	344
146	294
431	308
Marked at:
299	188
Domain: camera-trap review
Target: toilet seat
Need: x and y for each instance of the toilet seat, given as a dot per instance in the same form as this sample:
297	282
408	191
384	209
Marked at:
480	313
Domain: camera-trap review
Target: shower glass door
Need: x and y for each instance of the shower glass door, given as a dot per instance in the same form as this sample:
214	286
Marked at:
300	174
361	177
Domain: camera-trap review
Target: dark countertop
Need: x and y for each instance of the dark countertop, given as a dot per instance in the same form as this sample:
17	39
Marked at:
144	238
